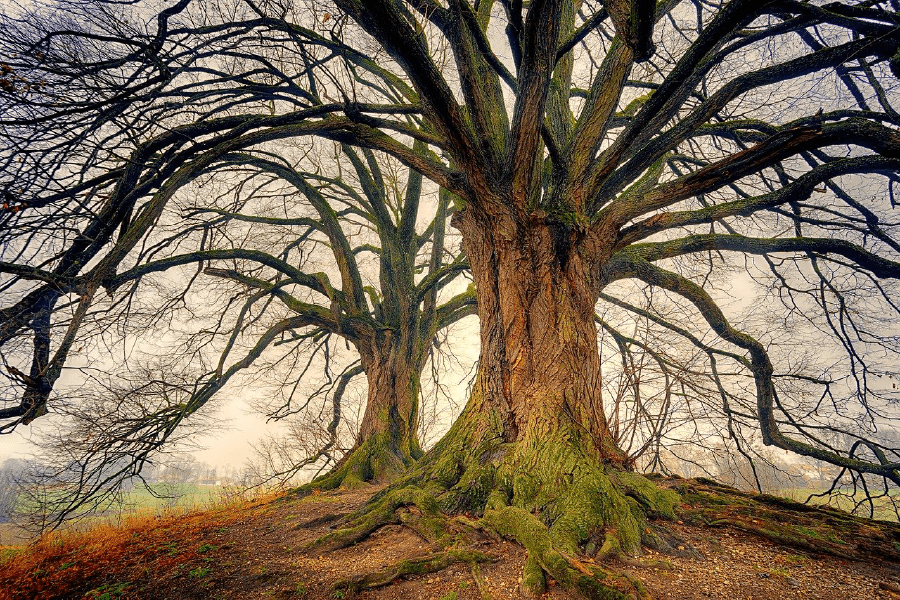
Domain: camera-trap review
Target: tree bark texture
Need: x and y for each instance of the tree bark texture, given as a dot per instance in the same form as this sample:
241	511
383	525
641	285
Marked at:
533	439
539	369
387	442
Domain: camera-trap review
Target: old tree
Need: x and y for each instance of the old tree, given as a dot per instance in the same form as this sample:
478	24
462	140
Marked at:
588	144
611	142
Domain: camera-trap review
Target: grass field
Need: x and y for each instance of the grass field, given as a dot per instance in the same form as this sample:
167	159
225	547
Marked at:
163	495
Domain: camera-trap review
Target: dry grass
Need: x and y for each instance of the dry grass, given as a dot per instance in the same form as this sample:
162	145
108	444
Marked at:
140	542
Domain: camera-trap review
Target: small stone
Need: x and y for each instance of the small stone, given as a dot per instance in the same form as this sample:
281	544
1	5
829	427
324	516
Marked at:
792	582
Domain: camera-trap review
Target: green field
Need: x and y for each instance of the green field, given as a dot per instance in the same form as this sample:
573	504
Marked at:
885	508
163	495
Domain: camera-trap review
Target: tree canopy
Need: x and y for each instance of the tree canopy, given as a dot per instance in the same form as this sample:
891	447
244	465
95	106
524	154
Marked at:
593	148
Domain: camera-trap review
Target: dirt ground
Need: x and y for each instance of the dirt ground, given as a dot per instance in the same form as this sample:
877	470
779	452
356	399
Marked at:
256	554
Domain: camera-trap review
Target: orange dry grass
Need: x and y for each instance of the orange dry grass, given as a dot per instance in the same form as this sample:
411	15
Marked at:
72	563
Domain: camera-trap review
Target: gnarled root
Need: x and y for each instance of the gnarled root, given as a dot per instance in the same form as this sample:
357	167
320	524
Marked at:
416	566
548	495
590	581
381	511
818	530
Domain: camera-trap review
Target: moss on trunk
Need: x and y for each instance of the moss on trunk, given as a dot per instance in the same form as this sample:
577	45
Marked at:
387	442
550	495
576	497
376	460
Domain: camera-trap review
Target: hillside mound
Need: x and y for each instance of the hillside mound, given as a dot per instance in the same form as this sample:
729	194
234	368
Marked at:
725	544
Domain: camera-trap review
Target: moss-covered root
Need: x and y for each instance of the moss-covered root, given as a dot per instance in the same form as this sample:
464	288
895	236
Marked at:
416	566
819	530
534	583
589	582
363	523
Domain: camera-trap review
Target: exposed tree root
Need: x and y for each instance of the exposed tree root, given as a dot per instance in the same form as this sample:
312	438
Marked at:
416	566
662	539
380	511
570	511
784	538
789	523
475	569
543	557
320	520
548	497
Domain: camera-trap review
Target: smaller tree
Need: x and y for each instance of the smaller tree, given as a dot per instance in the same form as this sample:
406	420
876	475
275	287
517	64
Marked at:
97	156
390	324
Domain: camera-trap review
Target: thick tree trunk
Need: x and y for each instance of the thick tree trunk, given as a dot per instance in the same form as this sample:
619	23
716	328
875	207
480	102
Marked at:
532	451
539	370
387	442
392	406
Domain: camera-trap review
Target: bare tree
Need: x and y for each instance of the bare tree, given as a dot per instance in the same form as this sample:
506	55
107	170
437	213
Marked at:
592	145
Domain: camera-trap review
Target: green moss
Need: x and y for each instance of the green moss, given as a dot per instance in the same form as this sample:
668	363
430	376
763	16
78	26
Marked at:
809	532
109	591
447	469
655	500
635	105
576	497
525	528
610	547
533	580
199	572
373	461
470	493
375	515
591	504
352	482
548	492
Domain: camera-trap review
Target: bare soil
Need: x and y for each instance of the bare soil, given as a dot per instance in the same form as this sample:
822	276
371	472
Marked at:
255	552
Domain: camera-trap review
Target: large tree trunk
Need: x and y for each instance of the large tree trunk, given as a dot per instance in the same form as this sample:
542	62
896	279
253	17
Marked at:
539	370
532	451
387	442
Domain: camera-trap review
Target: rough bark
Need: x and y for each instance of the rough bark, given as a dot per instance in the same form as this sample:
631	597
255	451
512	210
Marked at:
387	442
539	370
